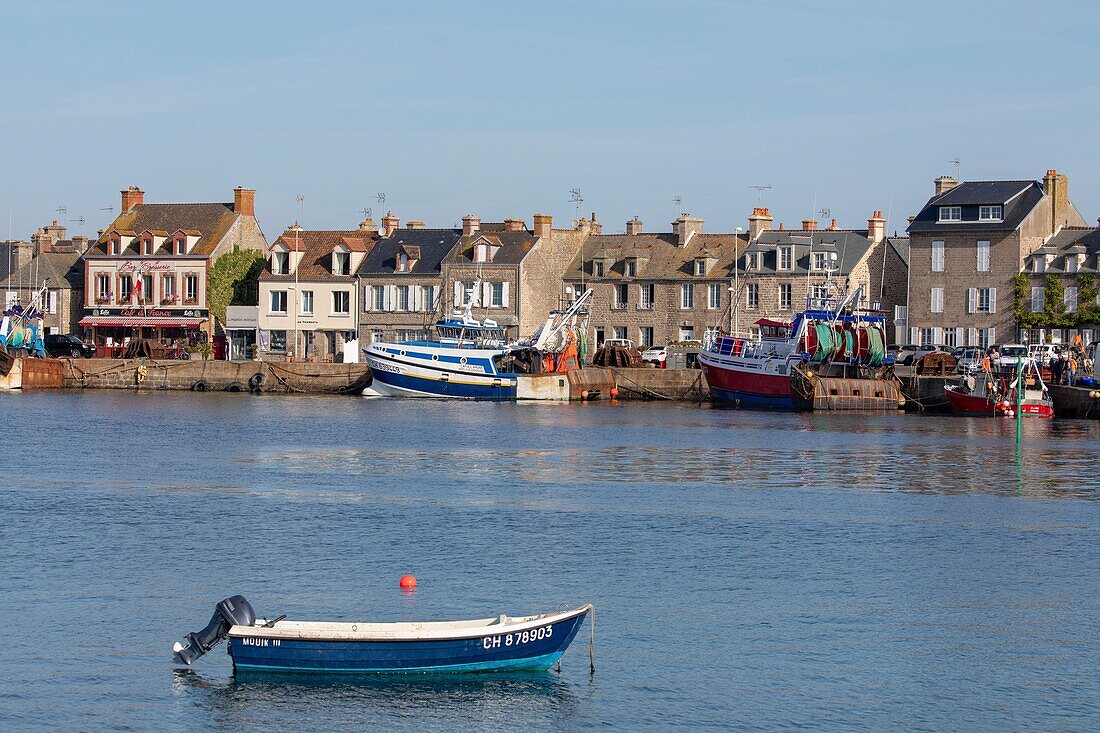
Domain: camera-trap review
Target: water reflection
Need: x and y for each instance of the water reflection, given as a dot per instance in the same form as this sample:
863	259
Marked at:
485	701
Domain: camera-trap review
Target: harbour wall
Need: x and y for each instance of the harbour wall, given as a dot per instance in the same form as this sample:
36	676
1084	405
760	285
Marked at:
214	376
661	384
1075	401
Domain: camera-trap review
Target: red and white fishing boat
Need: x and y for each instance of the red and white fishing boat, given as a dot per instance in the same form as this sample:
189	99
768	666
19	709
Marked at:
828	357
982	393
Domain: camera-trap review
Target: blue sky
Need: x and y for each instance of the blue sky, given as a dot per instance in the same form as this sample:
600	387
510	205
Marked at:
499	109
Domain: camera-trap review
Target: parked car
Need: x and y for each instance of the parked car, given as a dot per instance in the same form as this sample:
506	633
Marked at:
1043	353
904	352
65	344
1011	355
922	351
968	357
656	355
625	343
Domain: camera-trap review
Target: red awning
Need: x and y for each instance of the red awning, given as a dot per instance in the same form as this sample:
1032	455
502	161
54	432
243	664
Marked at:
770	322
152	322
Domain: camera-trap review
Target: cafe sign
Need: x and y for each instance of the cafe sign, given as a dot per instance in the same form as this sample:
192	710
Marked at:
150	312
143	266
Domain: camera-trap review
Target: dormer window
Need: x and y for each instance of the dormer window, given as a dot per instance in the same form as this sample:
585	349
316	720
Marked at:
181	246
147	246
481	253
1038	264
951	213
116	246
631	268
597	268
280	263
700	267
1071	263
990	213
402	262
785	256
751	262
821	261
340	263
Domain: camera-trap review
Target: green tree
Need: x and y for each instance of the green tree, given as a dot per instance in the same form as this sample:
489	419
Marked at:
234	280
1087	310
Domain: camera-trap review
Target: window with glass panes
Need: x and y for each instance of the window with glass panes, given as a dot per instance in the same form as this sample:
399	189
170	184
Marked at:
402	297
622	294
687	295
785	296
714	295
278	301
496	295
307	302
646	293
191	288
752	296
341	302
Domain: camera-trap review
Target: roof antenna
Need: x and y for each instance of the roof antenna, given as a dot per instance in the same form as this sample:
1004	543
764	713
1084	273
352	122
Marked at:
381	198
679	201
366	212
576	198
62	210
760	192
958	168
79	220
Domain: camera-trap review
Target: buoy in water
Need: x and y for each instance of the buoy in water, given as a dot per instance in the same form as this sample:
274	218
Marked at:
1011	413
584	394
614	392
408	582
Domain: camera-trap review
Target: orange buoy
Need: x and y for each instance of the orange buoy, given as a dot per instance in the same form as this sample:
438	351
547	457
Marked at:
584	394
614	392
407	582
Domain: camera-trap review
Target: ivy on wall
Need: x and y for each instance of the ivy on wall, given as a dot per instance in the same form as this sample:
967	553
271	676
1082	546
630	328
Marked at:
234	280
1054	313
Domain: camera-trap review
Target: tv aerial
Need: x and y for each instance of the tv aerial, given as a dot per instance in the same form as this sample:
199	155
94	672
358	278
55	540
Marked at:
108	208
576	198
78	220
679	201
380	198
62	210
824	214
760	189
366	212
958	168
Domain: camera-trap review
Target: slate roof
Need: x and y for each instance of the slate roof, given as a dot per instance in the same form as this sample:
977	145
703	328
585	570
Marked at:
849	245
434	244
317	247
58	267
1069	241
513	247
659	256
900	245
1018	198
213	221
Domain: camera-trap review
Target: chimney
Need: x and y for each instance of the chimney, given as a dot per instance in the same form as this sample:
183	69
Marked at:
56	232
780	226
80	243
470	224
597	228
833	226
944	184
1056	186
22	254
582	225
40	241
809	225
543	225
131	197
634	226
760	221
414	224
244	201
369	225
514	225
876	227
389	224
686	227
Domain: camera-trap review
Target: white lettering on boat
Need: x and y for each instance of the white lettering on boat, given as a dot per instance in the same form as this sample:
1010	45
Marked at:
247	641
522	637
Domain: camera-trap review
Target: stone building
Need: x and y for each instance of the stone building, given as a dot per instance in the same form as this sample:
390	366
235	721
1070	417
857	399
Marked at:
967	245
50	261
785	271
655	288
309	304
520	270
401	281
1062	298
147	275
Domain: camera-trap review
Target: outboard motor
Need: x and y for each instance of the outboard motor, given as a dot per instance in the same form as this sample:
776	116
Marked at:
233	611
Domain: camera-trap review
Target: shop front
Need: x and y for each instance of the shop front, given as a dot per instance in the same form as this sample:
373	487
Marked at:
175	332
241	324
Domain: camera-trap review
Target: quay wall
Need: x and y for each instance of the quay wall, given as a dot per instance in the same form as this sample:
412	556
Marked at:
1074	401
661	384
214	376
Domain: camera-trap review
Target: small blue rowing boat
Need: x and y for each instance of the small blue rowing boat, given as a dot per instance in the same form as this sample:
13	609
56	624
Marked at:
503	643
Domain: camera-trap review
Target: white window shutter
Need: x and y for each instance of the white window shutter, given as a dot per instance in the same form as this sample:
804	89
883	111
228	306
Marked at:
937	335
391	297
458	293
972	336
914	334
486	295
971	300
992	302
992	336
506	294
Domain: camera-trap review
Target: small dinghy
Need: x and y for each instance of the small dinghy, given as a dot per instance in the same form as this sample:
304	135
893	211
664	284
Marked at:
503	643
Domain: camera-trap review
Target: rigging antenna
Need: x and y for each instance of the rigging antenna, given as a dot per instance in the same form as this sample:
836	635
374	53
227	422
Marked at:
760	189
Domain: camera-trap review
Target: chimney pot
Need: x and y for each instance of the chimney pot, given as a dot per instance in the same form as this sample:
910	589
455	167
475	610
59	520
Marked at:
876	227
809	225
943	184
513	225
759	222
634	226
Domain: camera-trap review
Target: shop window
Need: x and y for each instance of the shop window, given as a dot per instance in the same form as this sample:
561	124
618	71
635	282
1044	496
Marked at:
278	339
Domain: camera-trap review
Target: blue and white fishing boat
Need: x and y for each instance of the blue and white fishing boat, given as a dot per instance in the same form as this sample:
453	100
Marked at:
504	643
464	360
